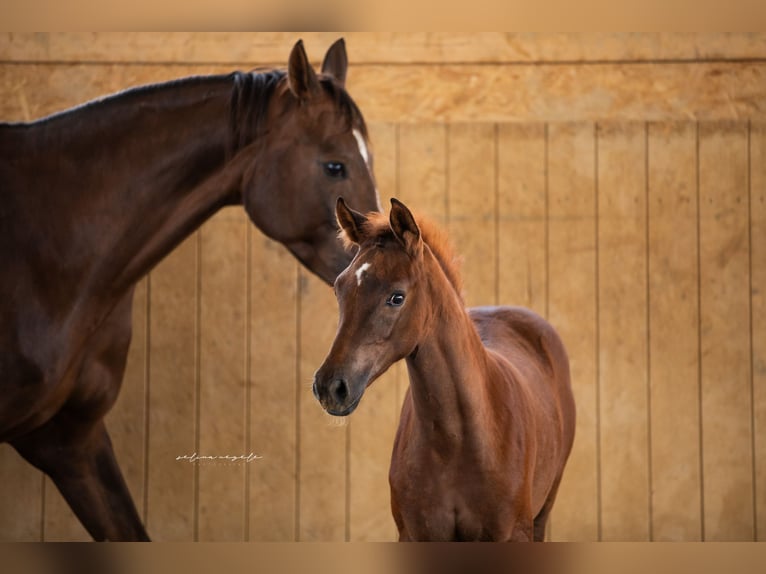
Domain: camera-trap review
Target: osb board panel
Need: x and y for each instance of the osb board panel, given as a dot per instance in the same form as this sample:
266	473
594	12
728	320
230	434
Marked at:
376	47
450	93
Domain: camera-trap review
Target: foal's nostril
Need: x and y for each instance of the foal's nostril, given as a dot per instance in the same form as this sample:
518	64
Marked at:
339	390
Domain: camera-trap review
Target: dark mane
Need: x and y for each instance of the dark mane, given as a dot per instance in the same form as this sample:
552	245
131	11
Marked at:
378	229
251	96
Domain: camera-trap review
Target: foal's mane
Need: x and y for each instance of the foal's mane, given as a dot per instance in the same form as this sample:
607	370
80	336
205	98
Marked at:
378	229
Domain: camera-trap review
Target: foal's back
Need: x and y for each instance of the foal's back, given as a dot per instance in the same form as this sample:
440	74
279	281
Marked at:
526	345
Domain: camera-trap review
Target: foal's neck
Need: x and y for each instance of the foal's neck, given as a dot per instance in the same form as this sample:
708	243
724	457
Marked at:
448	370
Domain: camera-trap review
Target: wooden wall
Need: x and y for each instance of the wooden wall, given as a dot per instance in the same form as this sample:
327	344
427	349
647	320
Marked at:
614	183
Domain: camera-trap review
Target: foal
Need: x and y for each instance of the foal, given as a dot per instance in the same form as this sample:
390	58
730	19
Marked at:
488	421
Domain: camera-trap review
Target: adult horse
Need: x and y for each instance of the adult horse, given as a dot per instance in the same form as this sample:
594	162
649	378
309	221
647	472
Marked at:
92	198
488	421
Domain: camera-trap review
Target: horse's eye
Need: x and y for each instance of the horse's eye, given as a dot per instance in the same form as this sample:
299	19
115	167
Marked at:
396	300
335	169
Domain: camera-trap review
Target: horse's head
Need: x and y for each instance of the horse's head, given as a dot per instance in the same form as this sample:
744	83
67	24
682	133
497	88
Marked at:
310	149
383	298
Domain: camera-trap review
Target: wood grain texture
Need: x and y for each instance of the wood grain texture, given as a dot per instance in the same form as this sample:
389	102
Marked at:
725	333
758	316
622	332
449	93
472	208
522	216
674	332
223	405
372	47
323	451
21	498
573	312
173	377
127	421
273	390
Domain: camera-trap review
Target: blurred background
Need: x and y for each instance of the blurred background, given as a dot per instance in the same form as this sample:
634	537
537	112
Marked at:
614	183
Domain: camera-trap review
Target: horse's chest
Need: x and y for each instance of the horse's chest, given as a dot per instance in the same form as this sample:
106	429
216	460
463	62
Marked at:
439	502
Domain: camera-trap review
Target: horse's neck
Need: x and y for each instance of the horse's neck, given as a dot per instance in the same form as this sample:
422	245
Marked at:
448	371
135	173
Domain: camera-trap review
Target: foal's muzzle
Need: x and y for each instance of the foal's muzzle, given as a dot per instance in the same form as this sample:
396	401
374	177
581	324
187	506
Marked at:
335	396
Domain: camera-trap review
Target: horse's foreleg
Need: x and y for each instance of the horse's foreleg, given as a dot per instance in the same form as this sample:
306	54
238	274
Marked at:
74	449
81	463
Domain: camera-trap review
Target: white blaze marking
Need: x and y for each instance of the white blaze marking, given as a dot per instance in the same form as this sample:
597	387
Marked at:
359	272
366	157
362	146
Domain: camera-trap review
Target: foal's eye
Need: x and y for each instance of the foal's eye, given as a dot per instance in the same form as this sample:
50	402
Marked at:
335	169
396	300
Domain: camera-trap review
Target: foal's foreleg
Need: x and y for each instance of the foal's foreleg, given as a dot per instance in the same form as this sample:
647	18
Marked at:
541	519
81	463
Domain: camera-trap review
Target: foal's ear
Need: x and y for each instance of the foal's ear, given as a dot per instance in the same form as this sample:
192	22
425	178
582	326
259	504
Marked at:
335	61
350	221
301	77
404	227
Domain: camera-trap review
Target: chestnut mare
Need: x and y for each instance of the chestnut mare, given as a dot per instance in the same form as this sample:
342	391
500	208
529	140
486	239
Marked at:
93	198
488	421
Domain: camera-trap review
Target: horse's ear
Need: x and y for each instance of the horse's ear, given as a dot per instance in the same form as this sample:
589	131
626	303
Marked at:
404	227
335	62
351	222
301	77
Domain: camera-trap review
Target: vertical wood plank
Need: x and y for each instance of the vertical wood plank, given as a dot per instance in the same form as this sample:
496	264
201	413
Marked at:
623	372
273	366
725	334
173	331
572	311
373	425
323	440
222	505
758	314
126	422
674	335
21	498
422	169
522	234
471	208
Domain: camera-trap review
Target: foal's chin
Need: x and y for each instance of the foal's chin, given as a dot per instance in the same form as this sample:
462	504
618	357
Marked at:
343	410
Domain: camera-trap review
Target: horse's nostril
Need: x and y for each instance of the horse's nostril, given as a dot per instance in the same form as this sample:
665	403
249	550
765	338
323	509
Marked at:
339	390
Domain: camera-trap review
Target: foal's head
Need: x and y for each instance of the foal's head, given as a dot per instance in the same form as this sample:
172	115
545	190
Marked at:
310	149
385	298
